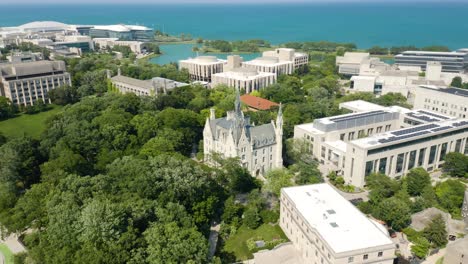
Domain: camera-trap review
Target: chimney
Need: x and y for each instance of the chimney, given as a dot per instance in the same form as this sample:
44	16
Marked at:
212	114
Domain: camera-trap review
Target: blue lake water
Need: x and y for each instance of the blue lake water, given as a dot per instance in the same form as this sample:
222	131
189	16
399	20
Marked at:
366	24
176	52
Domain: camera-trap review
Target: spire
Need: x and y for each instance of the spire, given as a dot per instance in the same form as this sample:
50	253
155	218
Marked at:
279	117
237	104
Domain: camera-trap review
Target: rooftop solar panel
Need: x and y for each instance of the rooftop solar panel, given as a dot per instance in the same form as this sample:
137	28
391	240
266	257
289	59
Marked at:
459	124
414	129
433	114
441	128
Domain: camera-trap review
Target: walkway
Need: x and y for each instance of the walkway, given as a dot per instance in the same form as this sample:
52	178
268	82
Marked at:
434	258
213	239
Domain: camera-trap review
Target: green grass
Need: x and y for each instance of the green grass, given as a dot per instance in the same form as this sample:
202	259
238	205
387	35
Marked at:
237	244
440	261
5	251
30	125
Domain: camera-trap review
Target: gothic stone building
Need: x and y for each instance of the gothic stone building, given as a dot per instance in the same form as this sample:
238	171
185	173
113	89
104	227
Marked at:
259	148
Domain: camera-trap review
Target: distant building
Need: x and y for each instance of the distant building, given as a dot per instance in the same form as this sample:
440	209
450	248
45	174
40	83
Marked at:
26	82
325	228
389	140
151	87
246	79
456	61
279	61
448	101
122	32
259	148
350	62
136	47
202	68
255	103
25	56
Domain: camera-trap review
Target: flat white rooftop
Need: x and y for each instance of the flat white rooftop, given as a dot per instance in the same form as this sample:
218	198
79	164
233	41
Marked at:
339	223
411	133
361	106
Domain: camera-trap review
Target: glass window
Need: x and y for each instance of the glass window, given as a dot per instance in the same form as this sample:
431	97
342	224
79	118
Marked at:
369	167
458	145
443	152
412	159
383	165
342	136
366	257
350	259
380	254
422	154
399	165
432	154
466	146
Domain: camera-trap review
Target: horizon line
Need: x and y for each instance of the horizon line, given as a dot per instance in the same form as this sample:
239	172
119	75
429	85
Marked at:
241	2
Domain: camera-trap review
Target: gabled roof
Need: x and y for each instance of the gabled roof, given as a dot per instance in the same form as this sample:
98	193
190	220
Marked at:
257	102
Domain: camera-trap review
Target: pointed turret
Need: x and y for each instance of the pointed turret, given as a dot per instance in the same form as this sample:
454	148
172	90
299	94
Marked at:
279	138
237	104
279	118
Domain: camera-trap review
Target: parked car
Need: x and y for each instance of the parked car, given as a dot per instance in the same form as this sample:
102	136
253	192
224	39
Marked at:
392	233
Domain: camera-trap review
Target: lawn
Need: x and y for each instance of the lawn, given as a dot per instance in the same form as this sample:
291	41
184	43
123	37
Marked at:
30	125
5	251
237	244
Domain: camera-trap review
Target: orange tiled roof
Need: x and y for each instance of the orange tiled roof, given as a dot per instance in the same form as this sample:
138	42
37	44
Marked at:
257	102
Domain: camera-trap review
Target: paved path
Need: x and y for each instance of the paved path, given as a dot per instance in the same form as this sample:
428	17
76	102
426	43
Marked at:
2	258
433	259
213	239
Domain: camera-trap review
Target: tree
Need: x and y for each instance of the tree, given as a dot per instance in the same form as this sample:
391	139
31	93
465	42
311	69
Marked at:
252	217
169	243
421	247
381	187
277	179
436	231
395	212
63	95
7	109
457	82
450	195
417	179
232	210
456	164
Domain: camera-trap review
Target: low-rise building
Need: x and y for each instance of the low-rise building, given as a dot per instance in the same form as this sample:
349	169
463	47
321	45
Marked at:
150	87
259	148
325	228
389	140
247	79
137	47
122	32
202	68
279	61
24	56
456	61
255	103
285	54
350	63
26	82
449	101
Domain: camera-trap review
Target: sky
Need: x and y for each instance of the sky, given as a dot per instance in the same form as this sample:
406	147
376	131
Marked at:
210	1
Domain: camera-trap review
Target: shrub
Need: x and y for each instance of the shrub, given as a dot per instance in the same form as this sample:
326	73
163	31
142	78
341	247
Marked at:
269	216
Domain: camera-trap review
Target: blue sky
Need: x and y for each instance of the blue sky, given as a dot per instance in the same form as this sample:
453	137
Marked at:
210	1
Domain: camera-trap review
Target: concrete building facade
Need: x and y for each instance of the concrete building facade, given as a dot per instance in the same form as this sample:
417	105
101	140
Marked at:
259	148
389	140
246	79
278	61
327	229
136	47
151	87
201	68
448	101
456	61
26	82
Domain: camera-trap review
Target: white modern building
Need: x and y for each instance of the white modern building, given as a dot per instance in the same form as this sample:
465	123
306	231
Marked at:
26	82
259	148
325	228
201	68
389	140
279	61
350	63
444	100
122	32
136	47
455	61
151	87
